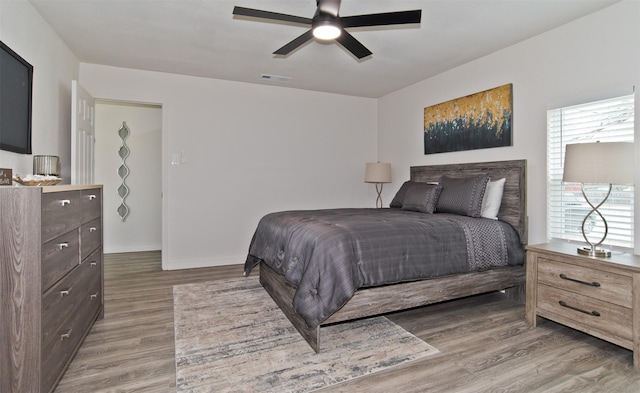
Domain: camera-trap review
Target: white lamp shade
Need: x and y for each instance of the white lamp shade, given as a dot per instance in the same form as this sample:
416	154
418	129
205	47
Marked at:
377	172
600	162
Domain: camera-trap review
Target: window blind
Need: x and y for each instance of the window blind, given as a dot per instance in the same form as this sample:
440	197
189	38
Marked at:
608	120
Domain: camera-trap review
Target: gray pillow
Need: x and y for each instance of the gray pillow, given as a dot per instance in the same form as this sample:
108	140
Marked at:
421	197
402	192
462	196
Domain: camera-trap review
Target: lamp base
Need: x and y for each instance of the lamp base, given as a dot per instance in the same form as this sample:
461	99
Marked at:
597	252
379	198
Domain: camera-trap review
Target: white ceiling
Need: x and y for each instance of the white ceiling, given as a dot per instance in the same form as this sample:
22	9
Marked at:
203	38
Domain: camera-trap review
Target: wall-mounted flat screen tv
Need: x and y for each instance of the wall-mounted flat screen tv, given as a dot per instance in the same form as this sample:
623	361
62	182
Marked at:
16	77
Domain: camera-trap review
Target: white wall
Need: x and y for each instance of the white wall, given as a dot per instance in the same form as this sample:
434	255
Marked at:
244	150
142	228
593	58
54	66
251	149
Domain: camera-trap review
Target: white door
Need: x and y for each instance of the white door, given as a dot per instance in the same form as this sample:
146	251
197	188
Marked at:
83	135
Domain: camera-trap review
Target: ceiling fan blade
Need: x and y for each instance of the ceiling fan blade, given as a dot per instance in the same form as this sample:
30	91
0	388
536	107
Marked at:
383	19
352	45
295	44
329	6
242	11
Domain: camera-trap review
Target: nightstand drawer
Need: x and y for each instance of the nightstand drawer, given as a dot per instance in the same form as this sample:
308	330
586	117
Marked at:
605	286
586	311
598	296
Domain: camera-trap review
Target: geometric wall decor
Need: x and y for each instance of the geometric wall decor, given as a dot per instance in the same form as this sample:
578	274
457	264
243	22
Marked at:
123	171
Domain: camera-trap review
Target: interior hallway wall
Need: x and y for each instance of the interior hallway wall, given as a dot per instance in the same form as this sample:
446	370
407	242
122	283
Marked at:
242	151
142	228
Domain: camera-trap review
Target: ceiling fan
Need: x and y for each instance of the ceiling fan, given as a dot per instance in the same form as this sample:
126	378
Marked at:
327	25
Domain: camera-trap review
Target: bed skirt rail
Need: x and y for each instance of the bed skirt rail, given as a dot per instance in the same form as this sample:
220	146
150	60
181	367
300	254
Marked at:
384	299
282	293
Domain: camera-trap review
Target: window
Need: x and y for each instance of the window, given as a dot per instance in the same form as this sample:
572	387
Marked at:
605	121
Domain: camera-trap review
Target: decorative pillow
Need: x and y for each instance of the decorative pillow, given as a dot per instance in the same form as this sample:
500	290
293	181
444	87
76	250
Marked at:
492	199
462	196
400	195
422	197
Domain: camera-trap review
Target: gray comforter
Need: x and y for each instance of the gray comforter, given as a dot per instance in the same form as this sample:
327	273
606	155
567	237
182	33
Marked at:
329	254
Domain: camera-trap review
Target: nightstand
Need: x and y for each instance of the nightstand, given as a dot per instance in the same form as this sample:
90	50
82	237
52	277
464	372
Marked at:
598	296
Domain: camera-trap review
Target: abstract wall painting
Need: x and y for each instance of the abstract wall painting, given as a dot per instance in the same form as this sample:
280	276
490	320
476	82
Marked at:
477	121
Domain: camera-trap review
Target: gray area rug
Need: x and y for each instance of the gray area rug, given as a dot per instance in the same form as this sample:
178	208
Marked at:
232	337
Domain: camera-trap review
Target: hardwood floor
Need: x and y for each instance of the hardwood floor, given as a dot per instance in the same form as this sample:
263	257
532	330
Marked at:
484	341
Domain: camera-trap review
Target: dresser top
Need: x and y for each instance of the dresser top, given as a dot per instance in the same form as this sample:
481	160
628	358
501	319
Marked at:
620	259
57	188
69	187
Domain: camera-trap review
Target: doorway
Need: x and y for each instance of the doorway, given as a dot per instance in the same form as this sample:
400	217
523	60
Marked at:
141	228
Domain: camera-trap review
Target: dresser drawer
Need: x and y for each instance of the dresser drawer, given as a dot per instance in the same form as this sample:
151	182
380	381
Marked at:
68	309
93	263
91	204
61	212
59	256
606	286
60	347
606	317
90	237
92	298
60	303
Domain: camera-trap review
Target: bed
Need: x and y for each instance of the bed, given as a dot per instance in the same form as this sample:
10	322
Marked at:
345	251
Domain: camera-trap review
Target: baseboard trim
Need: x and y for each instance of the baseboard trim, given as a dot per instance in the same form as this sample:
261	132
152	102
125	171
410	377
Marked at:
137	248
203	262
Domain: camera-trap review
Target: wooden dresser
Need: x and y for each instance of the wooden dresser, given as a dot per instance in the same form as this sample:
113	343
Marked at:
599	296
51	280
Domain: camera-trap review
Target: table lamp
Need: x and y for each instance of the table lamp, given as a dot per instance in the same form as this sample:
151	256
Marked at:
379	173
598	163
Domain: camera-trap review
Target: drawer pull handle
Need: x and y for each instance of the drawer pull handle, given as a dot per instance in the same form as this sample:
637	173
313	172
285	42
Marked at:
94	296
93	229
65	292
591	284
65	202
93	264
592	313
65	335
92	197
62	246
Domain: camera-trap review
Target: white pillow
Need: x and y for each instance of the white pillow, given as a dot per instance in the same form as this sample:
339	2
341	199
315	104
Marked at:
492	199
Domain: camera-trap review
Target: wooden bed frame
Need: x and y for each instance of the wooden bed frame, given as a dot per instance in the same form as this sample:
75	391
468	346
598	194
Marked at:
388	298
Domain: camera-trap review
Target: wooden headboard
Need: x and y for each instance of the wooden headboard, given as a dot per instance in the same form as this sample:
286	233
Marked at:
513	208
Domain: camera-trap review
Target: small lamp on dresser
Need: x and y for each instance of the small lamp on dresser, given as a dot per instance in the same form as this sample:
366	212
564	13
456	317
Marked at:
598	163
379	173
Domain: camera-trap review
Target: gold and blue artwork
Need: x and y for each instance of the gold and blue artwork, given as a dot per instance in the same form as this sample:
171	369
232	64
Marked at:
478	121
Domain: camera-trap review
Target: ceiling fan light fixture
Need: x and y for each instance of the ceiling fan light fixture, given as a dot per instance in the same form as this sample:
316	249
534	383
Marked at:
325	26
326	31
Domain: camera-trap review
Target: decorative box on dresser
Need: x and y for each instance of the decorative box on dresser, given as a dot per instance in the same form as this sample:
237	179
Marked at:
599	296
51	281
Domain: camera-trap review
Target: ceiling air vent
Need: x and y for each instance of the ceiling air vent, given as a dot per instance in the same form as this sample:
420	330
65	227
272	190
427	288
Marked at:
274	78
